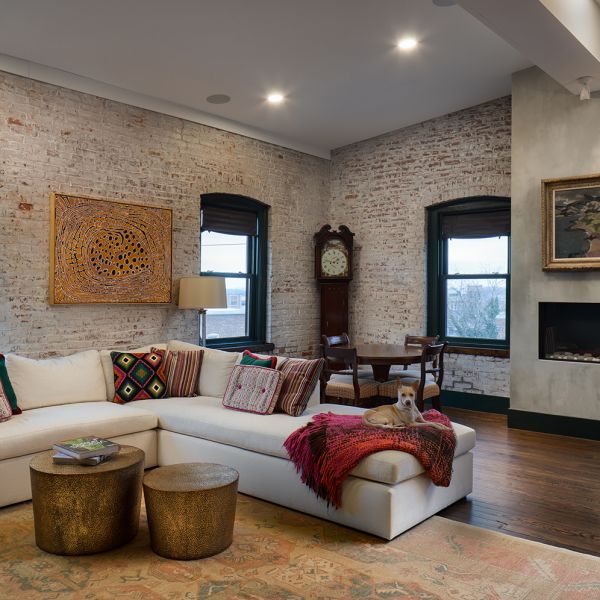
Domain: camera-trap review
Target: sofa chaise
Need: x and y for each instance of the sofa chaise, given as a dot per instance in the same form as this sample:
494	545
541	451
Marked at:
386	494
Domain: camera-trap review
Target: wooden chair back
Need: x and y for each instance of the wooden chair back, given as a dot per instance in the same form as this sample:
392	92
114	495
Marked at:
335	340
420	340
340	360
432	354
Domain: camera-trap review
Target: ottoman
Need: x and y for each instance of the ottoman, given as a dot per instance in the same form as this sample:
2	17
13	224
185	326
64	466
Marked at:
83	510
191	509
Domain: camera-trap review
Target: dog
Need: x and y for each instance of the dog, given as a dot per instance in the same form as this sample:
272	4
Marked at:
402	414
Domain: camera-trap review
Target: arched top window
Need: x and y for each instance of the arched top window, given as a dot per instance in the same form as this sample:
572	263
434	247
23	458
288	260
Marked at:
468	272
234	245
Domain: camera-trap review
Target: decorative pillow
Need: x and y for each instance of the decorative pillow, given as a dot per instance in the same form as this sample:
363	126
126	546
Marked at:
258	361
5	409
54	381
182	368
139	376
300	379
253	389
216	368
6	389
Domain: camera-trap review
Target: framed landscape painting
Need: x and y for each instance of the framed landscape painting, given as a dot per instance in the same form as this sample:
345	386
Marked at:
103	251
571	223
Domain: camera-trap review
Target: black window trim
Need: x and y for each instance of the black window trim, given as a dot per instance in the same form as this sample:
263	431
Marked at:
437	276
256	303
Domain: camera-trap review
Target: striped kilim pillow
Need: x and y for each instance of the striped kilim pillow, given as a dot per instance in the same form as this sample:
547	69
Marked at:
300	378
253	389
6	389
183	369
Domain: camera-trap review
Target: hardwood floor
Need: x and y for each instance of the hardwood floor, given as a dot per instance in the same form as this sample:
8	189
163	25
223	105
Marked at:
532	485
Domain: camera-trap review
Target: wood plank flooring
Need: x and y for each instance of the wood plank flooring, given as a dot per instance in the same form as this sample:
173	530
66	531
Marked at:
532	485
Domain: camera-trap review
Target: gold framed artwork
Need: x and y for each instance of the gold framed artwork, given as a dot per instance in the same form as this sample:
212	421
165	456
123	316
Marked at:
104	251
571	223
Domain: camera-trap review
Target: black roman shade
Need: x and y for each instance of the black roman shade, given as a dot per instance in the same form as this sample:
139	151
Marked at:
476	225
231	222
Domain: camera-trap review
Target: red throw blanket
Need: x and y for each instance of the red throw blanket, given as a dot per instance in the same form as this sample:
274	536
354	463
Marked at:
330	446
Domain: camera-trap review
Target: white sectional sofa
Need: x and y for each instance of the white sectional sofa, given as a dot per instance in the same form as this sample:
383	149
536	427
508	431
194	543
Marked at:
387	493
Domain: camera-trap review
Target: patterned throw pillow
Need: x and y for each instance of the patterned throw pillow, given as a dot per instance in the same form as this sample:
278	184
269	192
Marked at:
182	368
5	409
300	378
139	376
259	361
253	389
6	388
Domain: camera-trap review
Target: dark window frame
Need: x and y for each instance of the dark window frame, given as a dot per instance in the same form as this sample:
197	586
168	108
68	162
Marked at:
437	269
257	265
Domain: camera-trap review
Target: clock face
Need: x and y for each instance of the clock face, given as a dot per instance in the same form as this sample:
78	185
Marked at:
334	261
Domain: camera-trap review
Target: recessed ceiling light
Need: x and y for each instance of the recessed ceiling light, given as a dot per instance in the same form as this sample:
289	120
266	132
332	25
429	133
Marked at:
275	98
218	98
407	43
444	2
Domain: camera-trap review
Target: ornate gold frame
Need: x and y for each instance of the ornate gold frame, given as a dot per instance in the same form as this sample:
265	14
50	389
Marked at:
53	253
549	186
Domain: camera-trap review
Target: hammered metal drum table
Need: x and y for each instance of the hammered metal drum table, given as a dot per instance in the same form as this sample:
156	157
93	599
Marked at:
83	510
191	509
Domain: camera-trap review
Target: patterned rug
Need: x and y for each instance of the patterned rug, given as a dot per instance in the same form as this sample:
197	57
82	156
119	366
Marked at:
279	554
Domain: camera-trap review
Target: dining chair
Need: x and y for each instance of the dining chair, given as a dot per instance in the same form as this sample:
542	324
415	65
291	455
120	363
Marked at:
412	341
343	339
345	384
430	377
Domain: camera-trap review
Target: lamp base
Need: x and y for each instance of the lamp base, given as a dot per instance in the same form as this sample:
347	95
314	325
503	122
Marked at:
202	327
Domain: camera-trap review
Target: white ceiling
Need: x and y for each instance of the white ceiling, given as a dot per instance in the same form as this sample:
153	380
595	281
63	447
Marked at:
335	60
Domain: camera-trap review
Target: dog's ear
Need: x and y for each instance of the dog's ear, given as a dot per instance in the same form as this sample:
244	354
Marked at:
415	385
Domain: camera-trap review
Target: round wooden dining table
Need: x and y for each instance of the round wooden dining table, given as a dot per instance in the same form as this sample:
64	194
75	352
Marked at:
382	356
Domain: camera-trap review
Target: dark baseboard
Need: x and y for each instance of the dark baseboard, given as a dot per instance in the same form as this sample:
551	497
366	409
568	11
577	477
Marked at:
480	402
557	424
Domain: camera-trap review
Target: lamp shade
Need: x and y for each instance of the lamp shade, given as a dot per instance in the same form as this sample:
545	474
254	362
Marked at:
202	292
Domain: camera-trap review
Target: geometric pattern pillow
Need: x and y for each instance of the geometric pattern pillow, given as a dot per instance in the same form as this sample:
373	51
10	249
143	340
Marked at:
253	389
6	388
5	409
300	378
139	376
182	368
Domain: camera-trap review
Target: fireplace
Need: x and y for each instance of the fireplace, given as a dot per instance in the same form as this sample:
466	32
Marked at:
570	331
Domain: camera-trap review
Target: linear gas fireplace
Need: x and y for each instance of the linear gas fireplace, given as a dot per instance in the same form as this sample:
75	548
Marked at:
570	331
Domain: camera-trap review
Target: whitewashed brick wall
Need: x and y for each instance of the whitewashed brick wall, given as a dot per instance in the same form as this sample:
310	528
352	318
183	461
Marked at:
54	139
380	188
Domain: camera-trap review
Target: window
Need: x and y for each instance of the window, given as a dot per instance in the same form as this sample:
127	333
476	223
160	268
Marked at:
233	244
469	272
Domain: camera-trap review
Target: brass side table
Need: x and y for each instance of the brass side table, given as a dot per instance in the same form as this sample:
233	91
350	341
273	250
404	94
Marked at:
191	509
83	510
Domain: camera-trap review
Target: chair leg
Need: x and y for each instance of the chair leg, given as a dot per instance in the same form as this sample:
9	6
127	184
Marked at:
436	403
420	403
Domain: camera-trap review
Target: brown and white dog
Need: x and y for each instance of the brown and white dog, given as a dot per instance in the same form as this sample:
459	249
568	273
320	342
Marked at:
402	414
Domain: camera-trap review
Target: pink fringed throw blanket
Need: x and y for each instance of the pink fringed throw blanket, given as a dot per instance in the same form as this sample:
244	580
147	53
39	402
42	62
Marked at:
330	446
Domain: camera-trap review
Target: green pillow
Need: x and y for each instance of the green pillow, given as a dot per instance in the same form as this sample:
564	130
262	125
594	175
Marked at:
6	388
251	359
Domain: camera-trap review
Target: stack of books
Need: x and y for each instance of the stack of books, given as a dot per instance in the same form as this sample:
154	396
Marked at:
88	450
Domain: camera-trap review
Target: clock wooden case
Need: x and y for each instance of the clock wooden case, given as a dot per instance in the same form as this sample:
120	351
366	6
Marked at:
333	271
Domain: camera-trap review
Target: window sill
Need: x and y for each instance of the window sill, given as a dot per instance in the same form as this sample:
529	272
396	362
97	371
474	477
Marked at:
252	346
493	352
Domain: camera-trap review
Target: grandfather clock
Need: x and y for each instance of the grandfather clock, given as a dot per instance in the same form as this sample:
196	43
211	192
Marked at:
333	271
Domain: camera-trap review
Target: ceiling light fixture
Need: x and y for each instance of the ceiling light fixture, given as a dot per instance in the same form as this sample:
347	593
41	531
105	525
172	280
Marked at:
407	43
218	98
444	2
275	98
585	93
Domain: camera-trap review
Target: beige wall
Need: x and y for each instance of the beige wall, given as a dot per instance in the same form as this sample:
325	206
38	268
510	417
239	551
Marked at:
54	139
554	135
380	189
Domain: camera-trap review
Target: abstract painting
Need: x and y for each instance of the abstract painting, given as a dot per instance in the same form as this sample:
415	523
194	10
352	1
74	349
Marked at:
109	252
571	223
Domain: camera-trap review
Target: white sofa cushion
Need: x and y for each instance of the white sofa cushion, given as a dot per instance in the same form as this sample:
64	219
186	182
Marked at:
107	365
216	368
51	381
206	418
36	430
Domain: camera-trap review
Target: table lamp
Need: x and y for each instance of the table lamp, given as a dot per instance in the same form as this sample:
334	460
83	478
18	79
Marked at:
200	293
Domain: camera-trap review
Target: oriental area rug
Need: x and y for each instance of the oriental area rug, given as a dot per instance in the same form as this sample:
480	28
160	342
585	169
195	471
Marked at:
279	554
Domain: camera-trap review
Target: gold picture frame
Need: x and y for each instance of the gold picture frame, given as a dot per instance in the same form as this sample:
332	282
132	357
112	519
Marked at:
571	223
109	252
